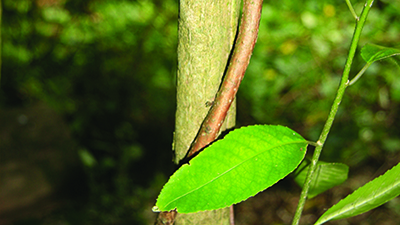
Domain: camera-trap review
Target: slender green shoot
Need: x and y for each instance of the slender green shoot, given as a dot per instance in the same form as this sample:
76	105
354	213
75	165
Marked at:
352	10
313	143
359	74
339	95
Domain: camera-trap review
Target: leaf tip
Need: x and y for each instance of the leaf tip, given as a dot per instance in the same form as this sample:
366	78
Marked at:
155	209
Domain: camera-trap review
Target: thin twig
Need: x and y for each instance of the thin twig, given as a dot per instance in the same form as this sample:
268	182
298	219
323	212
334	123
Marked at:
246	39
359	74
244	45
231	215
352	10
166	218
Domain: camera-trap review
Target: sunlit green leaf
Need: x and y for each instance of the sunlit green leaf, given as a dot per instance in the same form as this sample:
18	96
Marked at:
326	176
367	197
371	53
247	161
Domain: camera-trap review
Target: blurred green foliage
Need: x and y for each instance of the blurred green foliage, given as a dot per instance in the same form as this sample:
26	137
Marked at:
296	68
108	67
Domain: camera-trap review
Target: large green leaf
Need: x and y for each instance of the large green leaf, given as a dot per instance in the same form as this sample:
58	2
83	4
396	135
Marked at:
326	176
371	53
247	161
369	196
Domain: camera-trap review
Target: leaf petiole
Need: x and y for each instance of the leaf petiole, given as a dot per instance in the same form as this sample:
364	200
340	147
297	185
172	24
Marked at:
352	10
313	143
359	74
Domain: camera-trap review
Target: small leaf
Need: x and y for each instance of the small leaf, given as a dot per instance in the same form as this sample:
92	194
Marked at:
247	161
373	194
326	176
371	53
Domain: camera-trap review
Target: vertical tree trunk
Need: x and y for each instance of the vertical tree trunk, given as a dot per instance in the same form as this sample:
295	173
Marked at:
206	34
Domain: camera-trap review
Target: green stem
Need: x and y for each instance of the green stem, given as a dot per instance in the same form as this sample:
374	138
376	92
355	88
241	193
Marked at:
315	144
352	9
342	87
359	74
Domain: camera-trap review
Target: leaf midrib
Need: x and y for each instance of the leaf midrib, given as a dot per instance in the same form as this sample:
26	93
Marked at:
227	171
362	203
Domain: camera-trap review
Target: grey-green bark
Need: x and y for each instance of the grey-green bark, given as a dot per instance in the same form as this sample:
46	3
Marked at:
206	34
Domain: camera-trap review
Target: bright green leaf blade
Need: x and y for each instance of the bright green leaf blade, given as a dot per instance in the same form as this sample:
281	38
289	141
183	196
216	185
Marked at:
247	161
371	53
326	176
367	197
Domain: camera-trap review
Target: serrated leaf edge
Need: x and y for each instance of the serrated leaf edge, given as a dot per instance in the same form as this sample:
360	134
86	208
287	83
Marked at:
219	176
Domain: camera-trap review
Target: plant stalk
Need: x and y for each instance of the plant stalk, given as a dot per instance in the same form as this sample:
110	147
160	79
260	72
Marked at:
245	42
359	74
206	33
352	10
339	96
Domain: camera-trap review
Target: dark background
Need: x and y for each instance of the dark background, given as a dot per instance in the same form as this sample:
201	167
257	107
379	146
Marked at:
88	101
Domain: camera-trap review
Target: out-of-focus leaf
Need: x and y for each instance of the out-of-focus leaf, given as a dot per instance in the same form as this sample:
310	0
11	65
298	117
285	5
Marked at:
373	194
87	158
56	14
371	53
326	176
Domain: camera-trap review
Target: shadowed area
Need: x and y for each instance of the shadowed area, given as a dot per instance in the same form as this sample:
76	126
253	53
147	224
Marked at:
87	106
